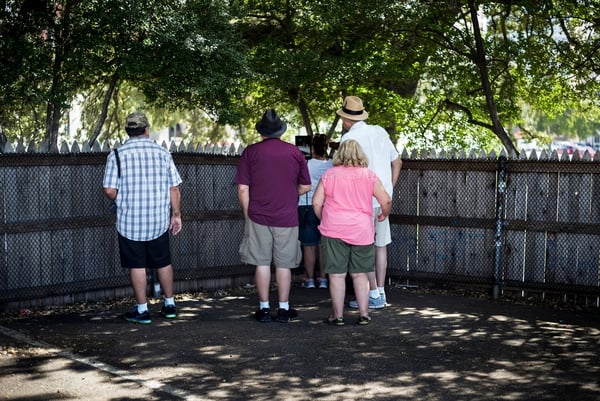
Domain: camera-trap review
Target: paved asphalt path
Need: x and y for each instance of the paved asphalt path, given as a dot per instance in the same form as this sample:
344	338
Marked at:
422	346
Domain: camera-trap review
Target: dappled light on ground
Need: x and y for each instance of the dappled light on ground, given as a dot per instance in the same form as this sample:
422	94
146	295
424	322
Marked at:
424	347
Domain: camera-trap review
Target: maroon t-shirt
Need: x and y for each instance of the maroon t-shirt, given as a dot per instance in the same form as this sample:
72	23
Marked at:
273	169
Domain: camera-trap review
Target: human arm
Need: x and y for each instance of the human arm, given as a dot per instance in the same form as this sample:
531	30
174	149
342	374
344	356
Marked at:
396	167
244	198
110	182
302	189
110	193
383	198
175	225
304	181
318	200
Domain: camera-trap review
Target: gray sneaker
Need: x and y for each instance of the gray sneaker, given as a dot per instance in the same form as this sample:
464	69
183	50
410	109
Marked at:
308	283
374	303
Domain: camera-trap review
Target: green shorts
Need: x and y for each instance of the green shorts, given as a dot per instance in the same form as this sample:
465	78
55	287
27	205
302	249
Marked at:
262	245
340	257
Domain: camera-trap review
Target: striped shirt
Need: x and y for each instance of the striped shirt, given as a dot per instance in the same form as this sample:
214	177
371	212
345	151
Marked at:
143	197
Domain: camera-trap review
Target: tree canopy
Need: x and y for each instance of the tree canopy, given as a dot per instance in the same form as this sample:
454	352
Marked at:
454	74
178	55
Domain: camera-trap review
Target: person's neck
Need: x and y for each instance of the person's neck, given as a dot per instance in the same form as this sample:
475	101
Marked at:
355	123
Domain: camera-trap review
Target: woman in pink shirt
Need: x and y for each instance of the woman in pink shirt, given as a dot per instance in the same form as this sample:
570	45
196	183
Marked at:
343	203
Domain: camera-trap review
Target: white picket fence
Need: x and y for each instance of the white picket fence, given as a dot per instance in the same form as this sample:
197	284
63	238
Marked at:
237	149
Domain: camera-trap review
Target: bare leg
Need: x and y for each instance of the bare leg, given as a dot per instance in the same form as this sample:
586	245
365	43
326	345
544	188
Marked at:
262	276
372	280
380	266
361	292
310	260
337	292
138	282
321	273
165	278
284	283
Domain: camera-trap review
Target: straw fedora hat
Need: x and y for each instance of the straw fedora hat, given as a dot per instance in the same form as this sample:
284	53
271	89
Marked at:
271	125
353	109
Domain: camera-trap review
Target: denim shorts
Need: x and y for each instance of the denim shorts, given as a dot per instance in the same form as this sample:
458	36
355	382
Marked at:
309	223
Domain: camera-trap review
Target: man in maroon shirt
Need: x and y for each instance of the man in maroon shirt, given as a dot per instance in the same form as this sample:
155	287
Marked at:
271	175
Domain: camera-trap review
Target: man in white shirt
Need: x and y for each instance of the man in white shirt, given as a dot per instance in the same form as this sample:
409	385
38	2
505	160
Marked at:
384	160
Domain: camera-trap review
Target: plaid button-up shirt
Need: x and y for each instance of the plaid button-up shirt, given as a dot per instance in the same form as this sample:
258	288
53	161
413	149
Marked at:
143	198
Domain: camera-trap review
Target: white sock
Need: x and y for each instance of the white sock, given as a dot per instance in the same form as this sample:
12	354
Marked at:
284	305
264	305
374	294
170	301
381	290
141	308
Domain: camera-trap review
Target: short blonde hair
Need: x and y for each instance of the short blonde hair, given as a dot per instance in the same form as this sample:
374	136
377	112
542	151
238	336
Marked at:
350	154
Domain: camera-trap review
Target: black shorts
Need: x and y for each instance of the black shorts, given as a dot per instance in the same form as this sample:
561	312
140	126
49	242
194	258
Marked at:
152	254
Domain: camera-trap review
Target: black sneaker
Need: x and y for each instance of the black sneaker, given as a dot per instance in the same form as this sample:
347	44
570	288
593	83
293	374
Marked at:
339	321
263	315
136	317
169	311
285	315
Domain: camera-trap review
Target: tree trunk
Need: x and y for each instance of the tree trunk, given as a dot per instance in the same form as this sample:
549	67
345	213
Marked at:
59	25
104	112
481	62
305	116
3	139
53	112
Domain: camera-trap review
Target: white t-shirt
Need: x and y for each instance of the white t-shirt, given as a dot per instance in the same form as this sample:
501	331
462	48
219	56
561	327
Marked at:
316	168
381	152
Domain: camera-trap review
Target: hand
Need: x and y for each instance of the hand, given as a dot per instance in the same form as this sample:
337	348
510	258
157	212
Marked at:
381	217
175	225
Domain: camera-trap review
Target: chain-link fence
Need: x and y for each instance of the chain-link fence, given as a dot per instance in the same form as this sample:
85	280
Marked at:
522	226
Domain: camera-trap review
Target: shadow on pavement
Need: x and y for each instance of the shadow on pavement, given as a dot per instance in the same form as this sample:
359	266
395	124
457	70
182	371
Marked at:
420	347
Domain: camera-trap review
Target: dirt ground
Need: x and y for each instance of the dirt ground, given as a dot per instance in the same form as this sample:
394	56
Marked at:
422	346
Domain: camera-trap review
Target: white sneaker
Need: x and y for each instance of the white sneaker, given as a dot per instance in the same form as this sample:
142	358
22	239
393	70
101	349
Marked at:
374	303
308	283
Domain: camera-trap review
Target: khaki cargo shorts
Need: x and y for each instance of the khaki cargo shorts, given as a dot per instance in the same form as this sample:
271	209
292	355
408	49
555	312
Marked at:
262	245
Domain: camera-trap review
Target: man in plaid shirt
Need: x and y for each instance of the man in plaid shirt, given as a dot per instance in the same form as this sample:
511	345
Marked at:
142	179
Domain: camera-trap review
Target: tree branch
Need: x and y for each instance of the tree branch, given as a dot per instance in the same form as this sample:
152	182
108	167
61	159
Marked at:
447	104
